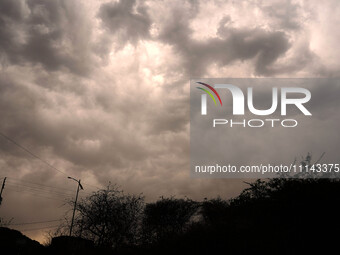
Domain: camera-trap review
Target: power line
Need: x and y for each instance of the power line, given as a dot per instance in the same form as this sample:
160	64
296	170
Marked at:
31	223
53	196
37	189
32	229
38	184
91	185
31	153
37	194
43	186
37	157
40	189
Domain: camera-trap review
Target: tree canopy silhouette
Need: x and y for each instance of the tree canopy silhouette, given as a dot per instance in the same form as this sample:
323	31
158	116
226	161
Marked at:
166	217
110	218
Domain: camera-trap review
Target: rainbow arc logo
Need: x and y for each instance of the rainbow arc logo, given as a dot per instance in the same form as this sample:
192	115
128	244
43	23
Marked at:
209	93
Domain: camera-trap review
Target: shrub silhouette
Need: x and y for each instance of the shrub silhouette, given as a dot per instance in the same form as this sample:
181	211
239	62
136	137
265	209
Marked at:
13	242
110	218
276	216
214	211
167	217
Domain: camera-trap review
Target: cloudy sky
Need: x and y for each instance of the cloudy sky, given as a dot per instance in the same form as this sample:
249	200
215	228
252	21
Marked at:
100	89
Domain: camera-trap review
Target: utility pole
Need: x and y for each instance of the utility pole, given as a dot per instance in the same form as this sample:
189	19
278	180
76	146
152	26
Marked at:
75	203
2	188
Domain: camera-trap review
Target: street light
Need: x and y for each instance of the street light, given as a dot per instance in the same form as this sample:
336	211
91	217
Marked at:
75	203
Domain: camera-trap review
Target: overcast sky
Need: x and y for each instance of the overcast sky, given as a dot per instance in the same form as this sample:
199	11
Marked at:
100	89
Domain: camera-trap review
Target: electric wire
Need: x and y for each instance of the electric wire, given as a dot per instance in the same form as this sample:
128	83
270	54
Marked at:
51	189
34	229
37	194
33	189
31	153
39	184
33	222
37	157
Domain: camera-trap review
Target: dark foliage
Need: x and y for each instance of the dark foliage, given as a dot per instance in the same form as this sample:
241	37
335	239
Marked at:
110	218
214	211
276	216
13	242
167	217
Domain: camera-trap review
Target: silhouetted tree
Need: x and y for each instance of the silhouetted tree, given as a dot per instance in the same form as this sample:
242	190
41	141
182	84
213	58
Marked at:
214	211
110	218
167	217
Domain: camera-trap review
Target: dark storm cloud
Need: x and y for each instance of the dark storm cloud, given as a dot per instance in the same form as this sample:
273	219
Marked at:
285	13
232	44
101	128
267	47
50	33
127	19
172	116
11	13
130	21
